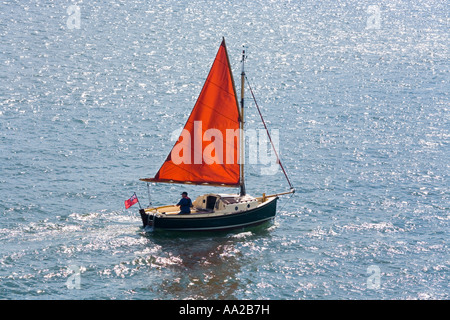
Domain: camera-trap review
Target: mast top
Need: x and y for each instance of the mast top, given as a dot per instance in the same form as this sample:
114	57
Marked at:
243	59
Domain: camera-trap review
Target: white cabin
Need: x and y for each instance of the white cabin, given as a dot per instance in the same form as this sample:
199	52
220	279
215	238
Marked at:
226	203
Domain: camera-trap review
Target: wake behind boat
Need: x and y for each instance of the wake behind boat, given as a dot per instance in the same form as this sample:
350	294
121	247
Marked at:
210	152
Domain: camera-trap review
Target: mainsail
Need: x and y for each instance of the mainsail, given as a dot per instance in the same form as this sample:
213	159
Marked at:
208	149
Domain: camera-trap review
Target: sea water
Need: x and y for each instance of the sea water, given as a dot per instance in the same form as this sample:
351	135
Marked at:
357	91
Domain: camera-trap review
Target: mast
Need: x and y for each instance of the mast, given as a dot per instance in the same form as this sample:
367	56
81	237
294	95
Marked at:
242	143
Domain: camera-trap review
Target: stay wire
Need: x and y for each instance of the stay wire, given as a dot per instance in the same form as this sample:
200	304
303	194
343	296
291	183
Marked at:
270	138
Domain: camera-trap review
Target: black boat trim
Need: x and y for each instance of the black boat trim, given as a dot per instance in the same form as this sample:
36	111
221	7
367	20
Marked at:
234	226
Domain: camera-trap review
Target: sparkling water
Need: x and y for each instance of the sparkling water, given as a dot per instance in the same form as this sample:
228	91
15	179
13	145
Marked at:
91	91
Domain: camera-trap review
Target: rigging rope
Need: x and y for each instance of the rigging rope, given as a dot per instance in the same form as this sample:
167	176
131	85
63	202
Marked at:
270	138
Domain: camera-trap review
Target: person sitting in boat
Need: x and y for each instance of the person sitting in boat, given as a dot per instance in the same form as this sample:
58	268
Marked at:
185	204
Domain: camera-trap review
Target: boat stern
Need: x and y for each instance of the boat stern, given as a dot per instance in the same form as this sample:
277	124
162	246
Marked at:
147	219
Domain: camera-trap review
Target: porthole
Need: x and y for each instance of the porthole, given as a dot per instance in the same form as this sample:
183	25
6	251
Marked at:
236	208
248	205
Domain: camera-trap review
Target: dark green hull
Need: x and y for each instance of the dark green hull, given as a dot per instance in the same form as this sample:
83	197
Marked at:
198	222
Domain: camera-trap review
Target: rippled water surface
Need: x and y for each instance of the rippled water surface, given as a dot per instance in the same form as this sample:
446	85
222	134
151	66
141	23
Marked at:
91	91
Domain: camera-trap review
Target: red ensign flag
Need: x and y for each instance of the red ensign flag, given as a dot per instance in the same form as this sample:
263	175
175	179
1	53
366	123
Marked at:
131	201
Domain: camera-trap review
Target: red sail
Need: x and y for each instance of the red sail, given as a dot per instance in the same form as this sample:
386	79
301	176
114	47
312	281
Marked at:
207	151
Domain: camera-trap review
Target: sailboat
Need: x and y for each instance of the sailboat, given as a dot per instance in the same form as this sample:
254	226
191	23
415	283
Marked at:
210	152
